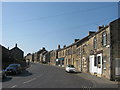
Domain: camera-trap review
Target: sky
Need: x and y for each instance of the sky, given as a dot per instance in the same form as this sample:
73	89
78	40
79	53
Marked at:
33	25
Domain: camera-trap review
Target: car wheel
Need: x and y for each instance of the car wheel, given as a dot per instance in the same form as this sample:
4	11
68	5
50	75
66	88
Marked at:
15	73
4	76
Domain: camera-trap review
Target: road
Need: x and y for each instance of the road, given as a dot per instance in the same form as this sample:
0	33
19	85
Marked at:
45	76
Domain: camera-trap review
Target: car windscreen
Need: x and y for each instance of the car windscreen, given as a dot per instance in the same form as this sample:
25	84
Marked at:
12	66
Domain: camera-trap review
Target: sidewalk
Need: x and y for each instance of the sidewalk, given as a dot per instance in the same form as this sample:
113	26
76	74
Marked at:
99	82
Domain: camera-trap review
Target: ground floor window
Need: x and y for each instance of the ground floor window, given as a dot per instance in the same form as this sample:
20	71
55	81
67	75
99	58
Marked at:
104	64
99	60
95	61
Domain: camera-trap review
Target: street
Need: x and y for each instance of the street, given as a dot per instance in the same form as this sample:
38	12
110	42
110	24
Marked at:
45	76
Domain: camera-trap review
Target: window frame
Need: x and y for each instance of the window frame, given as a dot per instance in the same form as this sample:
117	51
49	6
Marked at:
95	43
104	39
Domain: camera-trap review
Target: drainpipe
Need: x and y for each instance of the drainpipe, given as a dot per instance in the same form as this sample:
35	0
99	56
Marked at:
110	53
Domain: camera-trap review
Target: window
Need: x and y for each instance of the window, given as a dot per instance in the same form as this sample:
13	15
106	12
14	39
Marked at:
69	52
80	51
95	61
104	64
99	60
104	39
95	43
73	61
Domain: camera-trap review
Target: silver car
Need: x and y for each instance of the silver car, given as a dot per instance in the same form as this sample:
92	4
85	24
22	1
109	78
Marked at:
70	68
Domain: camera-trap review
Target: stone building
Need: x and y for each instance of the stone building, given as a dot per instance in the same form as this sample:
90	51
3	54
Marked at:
53	57
16	53
29	57
5	54
98	53
38	55
61	57
35	57
13	55
46	57
5	57
42	57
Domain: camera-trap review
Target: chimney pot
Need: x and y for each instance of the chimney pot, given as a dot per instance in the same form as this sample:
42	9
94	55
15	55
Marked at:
64	46
99	27
58	46
16	45
91	32
76	40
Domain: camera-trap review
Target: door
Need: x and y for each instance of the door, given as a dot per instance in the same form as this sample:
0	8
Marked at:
93	65
99	60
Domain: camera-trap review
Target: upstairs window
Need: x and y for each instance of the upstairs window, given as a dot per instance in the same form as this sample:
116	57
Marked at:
95	43
104	39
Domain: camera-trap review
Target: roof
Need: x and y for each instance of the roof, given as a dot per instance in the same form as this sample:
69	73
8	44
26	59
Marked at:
16	48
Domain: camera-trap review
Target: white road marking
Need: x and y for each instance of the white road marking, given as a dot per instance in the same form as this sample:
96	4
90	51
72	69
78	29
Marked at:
14	86
29	80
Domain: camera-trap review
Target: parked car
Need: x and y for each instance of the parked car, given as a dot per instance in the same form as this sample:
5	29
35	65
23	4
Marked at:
13	69
3	74
70	68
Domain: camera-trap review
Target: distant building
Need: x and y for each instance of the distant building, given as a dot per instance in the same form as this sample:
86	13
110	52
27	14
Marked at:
42	57
46	57
61	56
29	57
36	57
54	56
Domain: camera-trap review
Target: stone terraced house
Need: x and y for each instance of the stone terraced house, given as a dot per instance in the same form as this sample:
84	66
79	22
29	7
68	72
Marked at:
98	53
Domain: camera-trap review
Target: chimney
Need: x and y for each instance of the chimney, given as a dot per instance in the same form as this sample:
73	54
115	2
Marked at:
99	27
58	46
8	48
75	40
43	48
16	45
91	32
64	46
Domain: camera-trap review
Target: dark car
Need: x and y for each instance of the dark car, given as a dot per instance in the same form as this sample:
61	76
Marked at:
13	69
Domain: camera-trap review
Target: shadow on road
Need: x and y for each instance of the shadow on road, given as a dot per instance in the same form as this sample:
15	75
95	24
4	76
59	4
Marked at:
8	78
23	74
75	72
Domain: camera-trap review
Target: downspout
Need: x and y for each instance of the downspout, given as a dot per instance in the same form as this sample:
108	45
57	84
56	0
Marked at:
110	53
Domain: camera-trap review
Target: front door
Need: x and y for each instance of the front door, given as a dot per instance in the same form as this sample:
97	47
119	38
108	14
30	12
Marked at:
93	64
99	66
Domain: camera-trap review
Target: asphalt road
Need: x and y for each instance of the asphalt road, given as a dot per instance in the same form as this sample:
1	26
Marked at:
44	76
